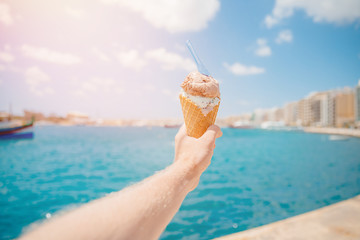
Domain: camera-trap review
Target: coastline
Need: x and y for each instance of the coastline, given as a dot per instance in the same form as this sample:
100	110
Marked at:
337	221
335	131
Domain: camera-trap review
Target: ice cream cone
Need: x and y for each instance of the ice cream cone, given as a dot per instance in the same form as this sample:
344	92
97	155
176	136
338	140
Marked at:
195	121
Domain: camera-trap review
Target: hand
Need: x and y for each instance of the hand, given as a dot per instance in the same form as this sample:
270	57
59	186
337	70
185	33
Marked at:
194	153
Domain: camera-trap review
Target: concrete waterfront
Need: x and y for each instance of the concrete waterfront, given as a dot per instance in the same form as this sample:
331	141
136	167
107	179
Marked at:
335	131
340	221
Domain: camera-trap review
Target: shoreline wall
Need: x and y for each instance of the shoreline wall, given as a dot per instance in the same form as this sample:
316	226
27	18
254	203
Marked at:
336	131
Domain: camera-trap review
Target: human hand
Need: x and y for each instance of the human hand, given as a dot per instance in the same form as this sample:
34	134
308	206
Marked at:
194	153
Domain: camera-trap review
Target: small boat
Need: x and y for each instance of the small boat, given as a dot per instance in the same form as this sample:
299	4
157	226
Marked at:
11	130
172	125
241	125
338	137
273	125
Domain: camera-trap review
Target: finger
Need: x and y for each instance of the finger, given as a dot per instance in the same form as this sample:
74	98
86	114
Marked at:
181	133
219	133
212	132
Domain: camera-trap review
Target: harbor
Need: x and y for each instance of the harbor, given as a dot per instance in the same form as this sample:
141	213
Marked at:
244	187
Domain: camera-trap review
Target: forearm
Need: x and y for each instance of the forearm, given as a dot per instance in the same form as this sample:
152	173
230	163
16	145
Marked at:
128	214
161	199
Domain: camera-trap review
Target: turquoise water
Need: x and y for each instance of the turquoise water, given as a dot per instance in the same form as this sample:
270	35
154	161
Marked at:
256	177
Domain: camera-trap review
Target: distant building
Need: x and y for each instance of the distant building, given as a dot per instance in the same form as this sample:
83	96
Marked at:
334	108
259	116
357	104
271	114
317	109
279	115
307	112
321	109
38	116
316	112
305	115
4	116
291	113
330	106
77	118
345	108
300	113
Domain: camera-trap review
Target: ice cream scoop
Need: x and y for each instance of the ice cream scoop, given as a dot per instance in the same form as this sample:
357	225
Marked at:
202	90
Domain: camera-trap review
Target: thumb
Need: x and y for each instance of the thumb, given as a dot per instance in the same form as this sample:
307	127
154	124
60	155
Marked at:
212	133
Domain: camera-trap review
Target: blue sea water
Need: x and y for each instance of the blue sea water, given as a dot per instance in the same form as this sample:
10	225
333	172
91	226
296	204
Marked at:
256	176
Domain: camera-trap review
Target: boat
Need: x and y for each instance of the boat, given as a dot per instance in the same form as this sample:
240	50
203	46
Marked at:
172	125
16	130
241	125
338	138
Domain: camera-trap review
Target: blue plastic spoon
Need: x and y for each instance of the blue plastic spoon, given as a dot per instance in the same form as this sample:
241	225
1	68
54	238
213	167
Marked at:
200	66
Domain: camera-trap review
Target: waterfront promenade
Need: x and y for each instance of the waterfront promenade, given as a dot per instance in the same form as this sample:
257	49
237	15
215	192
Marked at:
337	131
340	221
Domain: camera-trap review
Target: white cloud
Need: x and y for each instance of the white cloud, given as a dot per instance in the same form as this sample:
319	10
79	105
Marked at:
170	60
331	11
7	57
241	70
36	79
100	54
261	41
175	15
47	55
10	68
95	85
263	49
5	15
34	76
270	21
131	59
284	36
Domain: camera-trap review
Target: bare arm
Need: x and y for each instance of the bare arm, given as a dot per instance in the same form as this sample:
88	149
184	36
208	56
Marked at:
141	211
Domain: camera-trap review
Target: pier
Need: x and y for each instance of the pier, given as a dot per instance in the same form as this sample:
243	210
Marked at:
340	221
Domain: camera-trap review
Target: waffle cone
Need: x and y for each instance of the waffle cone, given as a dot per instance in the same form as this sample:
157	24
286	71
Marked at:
195	121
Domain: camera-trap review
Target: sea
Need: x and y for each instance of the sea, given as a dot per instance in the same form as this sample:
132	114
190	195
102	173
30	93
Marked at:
256	176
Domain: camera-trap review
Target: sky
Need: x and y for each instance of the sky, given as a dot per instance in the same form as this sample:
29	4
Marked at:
126	59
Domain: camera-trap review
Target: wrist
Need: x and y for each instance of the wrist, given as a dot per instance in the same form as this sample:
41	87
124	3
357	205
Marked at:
187	173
